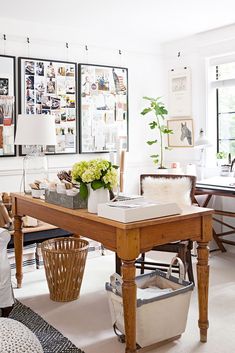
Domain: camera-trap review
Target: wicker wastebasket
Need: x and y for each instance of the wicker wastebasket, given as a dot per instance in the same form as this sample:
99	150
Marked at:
64	261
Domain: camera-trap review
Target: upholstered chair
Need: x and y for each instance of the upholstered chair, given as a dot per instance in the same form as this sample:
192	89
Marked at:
6	293
169	188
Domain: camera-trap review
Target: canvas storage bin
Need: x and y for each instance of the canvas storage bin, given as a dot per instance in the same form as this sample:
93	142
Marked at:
162	305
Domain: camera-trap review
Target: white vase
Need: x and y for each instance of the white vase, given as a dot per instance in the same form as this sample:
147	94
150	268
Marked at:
95	197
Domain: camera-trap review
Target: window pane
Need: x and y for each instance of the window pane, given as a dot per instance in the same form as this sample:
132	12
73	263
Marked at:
227	126
227	146
225	71
226	99
226	108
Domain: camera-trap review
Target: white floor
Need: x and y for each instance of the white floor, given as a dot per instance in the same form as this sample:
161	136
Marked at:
86	321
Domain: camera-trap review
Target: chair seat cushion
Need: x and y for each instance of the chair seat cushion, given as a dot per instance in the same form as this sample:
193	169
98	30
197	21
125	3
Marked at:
168	190
17	338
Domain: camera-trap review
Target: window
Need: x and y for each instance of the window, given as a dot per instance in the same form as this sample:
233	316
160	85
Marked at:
224	76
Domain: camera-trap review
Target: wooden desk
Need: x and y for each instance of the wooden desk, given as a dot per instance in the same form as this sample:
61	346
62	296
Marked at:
128	240
218	186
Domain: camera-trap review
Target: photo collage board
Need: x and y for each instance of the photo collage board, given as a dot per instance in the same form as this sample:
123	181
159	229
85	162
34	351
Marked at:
103	108
49	87
7	106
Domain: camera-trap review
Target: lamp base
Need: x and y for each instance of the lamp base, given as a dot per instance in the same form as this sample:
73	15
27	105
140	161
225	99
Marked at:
34	168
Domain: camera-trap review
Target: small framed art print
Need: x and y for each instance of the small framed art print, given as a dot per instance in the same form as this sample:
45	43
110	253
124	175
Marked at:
183	135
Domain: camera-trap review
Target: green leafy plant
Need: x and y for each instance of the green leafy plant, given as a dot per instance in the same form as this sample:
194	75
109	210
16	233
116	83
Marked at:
158	108
99	173
221	155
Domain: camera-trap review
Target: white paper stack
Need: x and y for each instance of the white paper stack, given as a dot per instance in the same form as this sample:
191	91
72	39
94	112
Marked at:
137	210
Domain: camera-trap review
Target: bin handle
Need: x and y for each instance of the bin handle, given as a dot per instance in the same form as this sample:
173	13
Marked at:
116	283
177	260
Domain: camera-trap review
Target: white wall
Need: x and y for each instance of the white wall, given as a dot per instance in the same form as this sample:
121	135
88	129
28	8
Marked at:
145	78
148	75
195	52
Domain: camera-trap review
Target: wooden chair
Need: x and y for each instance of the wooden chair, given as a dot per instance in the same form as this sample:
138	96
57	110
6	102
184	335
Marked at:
172	188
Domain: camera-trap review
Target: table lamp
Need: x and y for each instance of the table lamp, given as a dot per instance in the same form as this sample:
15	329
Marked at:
202	143
35	131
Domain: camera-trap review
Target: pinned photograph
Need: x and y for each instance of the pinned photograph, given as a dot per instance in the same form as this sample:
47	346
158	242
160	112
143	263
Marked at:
46	111
61	71
51	86
71	116
63	114
39	97
55	103
39	68
60	86
30	96
51	70
29	67
70	102
38	109
40	86
46	102
102	79
119	81
70	70
56	115
30	108
29	82
4	86
70	88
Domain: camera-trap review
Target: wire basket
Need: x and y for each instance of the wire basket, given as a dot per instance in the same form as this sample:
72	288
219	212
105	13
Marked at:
64	262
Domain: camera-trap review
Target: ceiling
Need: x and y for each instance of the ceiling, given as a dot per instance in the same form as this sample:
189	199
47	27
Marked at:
124	21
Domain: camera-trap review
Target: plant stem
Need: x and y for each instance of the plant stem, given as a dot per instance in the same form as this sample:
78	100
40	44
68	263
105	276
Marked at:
161	149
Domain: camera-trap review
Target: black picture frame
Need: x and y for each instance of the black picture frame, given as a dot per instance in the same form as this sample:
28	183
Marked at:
7	105
48	86
103	108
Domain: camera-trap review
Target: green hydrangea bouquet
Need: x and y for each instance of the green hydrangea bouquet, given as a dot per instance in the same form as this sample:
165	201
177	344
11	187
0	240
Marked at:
99	173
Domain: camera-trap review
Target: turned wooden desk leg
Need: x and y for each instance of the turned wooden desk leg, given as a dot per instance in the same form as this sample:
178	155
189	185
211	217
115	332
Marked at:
129	304
18	244
203	284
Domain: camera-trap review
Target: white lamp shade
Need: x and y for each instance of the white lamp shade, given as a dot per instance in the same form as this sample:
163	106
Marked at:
202	141
35	129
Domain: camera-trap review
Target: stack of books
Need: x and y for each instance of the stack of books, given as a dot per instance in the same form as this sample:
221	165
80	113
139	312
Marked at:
137	209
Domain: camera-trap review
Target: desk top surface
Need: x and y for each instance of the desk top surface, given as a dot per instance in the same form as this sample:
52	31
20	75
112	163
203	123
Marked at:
217	183
189	212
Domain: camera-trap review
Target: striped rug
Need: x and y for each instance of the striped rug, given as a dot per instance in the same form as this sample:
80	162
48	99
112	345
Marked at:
51	340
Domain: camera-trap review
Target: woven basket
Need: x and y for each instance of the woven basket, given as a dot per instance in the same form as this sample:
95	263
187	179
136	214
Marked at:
64	261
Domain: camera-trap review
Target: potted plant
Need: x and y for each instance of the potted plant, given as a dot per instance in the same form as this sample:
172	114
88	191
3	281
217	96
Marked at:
96	177
221	158
158	108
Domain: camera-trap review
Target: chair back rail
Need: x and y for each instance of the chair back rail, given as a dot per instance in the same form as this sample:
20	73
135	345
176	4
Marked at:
192	179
